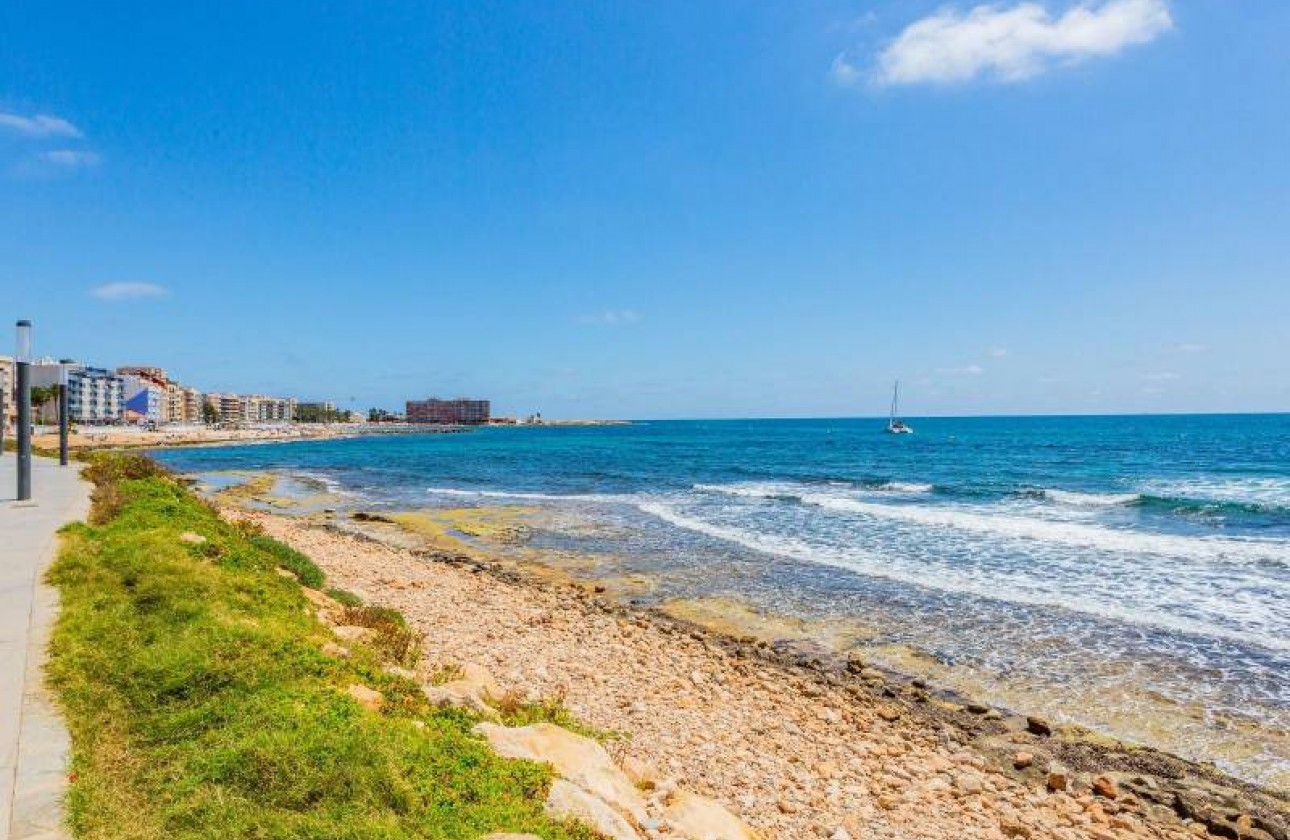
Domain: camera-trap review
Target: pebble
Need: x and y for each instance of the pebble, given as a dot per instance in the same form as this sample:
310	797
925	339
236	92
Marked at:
799	752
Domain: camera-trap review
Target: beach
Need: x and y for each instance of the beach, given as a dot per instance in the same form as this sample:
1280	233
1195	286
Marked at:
125	437
1122	576
799	745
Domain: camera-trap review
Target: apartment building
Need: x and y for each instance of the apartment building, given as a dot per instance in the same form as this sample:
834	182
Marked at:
183	404
9	414
145	399
458	412
95	396
252	408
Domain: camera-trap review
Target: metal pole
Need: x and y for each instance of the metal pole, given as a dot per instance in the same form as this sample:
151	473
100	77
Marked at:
64	419
22	366
24	430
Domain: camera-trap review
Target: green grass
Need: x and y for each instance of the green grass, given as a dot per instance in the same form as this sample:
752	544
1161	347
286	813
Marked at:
200	704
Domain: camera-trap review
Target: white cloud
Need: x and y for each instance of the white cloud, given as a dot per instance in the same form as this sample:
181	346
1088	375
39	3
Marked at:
38	125
1188	347
966	370
1164	376
843	72
70	158
611	317
1009	44
997	352
128	291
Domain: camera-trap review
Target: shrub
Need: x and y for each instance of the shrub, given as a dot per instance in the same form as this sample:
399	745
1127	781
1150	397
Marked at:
392	638
288	558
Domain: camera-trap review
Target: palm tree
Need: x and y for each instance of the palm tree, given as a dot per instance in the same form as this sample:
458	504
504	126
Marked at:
43	397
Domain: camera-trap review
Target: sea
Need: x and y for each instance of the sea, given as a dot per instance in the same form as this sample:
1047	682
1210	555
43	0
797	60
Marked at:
1130	574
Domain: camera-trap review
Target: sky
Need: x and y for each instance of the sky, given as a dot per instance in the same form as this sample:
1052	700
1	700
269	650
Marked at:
665	209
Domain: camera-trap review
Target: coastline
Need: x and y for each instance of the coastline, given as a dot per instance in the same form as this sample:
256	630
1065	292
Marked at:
799	742
125	439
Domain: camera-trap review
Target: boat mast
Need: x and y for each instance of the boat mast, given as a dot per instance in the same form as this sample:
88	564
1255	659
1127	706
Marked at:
895	398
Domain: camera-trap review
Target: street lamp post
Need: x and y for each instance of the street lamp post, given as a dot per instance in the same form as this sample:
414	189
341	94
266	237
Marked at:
64	416
22	364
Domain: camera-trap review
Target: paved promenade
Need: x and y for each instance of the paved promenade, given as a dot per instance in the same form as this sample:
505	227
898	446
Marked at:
33	740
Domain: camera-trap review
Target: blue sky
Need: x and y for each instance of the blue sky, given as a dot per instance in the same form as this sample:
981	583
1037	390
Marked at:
660	209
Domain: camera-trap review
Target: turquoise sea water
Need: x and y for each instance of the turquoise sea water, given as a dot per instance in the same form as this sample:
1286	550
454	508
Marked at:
1129	573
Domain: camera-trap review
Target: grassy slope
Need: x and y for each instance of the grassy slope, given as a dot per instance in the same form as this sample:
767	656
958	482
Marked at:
200	704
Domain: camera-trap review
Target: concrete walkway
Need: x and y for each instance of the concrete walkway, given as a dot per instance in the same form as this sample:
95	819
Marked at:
33	741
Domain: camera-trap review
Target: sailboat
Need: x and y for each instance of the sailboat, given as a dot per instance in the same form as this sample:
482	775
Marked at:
895	425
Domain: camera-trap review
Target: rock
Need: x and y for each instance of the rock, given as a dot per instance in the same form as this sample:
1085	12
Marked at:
642	774
368	698
567	801
1105	786
575	758
472	690
697	817
191	538
334	650
1038	726
977	708
787	806
889	713
324	602
287	573
507	836
968	783
1058	778
1022	760
474	674
460	695
351	633
1013	828
397	671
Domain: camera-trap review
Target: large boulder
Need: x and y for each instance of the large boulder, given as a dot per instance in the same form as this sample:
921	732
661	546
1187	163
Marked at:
576	758
567	801
474	689
697	817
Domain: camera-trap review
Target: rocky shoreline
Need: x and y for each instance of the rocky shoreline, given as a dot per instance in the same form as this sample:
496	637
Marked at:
796	740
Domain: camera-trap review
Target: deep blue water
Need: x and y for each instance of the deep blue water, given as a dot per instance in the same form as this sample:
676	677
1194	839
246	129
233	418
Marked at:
1090	565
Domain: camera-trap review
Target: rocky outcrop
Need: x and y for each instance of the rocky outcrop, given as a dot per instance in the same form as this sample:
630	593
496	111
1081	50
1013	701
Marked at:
576	759
700	818
569	802
475	689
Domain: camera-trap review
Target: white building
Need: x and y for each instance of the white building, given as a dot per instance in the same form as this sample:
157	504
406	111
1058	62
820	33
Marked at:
95	396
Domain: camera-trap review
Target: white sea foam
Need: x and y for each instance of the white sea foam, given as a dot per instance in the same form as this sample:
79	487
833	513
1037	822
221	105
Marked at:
1081	499
1121	593
1214	549
1005	526
1270	492
782	490
906	487
516	494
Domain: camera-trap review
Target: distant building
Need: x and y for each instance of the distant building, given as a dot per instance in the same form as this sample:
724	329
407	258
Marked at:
262	409
95	396
228	408
145	399
458	412
9	416
234	409
183	404
155	375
